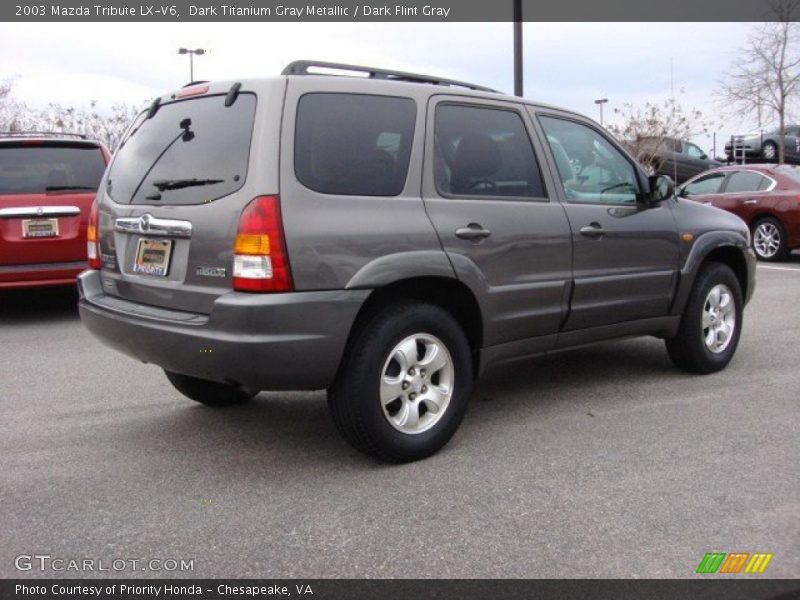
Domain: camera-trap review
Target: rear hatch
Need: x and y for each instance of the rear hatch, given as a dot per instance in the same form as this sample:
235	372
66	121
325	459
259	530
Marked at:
173	195
46	193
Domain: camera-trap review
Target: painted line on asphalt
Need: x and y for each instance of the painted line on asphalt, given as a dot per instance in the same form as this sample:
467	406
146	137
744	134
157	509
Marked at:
779	268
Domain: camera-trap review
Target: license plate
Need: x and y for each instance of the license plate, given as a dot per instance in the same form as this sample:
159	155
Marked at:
152	257
38	228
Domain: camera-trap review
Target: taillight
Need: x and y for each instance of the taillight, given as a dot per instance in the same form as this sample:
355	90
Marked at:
260	262
93	239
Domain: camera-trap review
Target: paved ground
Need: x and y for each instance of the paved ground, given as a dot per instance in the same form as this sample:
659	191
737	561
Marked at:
602	462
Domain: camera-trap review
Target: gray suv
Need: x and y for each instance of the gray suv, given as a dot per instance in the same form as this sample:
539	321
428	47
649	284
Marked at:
388	238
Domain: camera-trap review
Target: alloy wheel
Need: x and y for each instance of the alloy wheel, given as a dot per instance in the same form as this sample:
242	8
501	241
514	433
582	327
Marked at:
416	383
719	318
766	240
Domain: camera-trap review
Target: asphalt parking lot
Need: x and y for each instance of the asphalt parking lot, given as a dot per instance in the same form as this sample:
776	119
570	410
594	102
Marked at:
601	462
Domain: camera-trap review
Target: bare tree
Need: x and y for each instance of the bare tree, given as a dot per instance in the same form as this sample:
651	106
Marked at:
103	125
647	130
767	74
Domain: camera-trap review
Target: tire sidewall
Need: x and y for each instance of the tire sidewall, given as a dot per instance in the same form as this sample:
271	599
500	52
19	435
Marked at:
779	254
415	319
714	275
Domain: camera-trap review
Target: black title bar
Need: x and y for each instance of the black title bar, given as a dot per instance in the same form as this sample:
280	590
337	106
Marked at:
390	11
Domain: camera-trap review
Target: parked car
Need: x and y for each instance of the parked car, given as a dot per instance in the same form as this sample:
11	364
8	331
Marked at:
766	197
678	159
388	238
764	147
47	184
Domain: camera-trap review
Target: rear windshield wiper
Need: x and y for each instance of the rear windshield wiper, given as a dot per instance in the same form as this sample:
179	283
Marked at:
58	188
177	184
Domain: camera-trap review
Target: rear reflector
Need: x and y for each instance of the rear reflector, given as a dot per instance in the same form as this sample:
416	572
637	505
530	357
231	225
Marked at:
260	262
93	239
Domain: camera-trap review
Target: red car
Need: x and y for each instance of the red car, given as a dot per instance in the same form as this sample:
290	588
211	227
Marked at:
766	197
47	186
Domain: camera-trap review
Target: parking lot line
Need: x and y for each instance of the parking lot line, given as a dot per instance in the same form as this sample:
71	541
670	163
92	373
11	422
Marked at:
779	268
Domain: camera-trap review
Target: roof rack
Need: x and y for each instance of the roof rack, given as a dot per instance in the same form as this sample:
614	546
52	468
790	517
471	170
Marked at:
301	67
29	134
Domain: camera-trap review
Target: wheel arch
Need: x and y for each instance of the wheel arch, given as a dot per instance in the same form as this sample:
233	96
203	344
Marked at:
448	293
764	214
723	247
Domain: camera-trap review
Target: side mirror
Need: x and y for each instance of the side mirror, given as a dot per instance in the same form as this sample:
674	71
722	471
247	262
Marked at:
661	188
704	157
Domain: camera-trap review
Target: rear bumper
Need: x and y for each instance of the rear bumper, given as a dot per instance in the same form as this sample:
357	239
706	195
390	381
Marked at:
40	275
291	341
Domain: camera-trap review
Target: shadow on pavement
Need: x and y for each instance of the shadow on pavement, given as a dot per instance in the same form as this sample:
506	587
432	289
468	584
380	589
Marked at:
281	429
36	305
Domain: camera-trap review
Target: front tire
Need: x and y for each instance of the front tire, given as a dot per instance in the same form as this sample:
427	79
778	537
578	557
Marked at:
404	383
210	393
711	323
769	240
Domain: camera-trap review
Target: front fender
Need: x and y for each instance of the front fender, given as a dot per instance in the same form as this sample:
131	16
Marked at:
703	246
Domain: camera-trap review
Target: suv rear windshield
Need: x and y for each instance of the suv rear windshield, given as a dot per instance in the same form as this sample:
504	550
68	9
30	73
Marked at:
190	152
37	169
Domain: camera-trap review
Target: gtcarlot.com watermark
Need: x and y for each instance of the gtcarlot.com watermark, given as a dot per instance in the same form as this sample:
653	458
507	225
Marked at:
58	564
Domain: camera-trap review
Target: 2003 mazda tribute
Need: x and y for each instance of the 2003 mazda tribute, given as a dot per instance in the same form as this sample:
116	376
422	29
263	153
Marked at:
387	238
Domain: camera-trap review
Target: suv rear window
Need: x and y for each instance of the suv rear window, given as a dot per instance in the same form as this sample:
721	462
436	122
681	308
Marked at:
353	144
190	152
37	169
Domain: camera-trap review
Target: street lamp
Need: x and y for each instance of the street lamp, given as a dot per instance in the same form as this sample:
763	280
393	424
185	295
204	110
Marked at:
191	53
600	102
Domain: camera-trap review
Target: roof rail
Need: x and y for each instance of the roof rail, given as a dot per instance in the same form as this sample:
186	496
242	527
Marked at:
27	134
301	67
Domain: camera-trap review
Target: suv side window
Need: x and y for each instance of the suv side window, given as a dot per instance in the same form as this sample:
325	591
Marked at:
694	151
591	169
708	184
480	151
746	181
353	144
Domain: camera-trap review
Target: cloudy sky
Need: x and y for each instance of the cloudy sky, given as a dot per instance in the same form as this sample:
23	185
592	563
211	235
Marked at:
567	64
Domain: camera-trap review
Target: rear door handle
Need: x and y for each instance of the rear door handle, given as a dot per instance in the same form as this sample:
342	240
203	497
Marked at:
593	231
473	232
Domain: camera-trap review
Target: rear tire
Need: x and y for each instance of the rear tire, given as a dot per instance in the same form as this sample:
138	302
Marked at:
210	393
404	383
769	240
711	323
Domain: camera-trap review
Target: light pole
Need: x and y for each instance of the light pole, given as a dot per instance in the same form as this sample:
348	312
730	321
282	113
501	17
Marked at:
600	102
518	86
191	53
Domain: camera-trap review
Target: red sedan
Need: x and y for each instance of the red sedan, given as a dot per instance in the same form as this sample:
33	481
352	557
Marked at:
47	185
766	197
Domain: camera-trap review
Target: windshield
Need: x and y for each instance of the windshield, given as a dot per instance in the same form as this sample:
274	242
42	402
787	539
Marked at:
38	169
190	152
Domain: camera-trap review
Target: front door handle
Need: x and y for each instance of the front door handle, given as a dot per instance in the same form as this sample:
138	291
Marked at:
751	201
473	232
593	231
